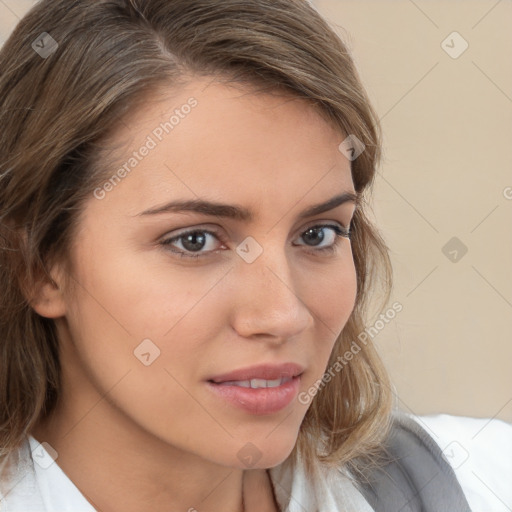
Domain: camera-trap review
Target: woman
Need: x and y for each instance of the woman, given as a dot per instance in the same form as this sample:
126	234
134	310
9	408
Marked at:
187	265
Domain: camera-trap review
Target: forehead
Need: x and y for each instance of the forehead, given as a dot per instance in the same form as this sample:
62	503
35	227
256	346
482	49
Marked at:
222	142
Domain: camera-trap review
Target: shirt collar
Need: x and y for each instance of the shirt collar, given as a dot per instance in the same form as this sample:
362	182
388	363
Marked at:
329	490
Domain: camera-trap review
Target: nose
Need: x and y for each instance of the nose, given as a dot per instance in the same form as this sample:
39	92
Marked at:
266	302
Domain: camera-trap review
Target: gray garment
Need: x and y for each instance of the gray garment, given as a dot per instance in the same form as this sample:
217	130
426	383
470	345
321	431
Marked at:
414	476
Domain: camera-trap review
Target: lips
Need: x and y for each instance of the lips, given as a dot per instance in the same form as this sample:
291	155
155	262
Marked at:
257	400
256	383
268	372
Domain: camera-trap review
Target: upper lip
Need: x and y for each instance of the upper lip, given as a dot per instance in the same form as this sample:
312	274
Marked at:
261	371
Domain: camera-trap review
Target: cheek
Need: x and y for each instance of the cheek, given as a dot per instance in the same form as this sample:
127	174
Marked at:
164	321
129	311
141	295
332	293
331	301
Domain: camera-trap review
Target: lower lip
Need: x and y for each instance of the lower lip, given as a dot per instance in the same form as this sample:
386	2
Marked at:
261	400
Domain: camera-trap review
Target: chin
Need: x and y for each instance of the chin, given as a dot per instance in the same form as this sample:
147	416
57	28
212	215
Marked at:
265	453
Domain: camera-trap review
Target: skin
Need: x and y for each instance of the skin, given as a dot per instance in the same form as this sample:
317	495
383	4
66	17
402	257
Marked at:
134	437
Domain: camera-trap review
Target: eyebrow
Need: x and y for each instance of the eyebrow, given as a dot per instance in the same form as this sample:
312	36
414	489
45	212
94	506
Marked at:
241	213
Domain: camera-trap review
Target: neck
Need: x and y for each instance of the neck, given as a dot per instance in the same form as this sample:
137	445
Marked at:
103	462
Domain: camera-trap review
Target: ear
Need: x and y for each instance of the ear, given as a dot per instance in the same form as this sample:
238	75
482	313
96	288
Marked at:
47	297
45	294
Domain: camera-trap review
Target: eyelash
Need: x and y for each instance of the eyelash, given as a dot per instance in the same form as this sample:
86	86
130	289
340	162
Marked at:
339	232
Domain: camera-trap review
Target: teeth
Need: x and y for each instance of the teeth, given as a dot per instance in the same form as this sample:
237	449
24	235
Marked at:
241	383
267	383
261	383
257	383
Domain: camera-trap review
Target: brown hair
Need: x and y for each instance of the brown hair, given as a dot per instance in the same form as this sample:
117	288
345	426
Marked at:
55	109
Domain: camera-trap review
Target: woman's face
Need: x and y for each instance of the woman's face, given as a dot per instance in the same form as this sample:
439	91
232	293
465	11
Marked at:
153	317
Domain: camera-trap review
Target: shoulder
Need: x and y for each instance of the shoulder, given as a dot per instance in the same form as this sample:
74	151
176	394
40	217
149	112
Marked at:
413	474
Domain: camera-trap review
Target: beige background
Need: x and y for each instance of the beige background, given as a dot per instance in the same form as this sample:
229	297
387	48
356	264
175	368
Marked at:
447	173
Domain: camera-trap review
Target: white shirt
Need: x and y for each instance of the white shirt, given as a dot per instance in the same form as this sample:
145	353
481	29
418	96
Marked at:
32	481
480	453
